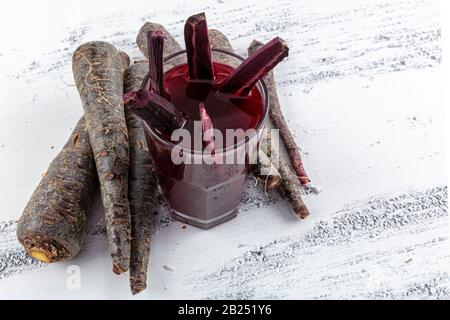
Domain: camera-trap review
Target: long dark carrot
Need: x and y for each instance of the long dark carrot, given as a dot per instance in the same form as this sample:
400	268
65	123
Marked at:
170	44
279	122
142	179
54	223
290	186
264	170
142	186
219	41
99	80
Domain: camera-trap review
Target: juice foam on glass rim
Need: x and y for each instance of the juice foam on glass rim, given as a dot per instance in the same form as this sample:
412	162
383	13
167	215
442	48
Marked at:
225	111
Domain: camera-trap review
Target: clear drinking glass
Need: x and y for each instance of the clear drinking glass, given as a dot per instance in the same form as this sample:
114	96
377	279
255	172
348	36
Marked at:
198	193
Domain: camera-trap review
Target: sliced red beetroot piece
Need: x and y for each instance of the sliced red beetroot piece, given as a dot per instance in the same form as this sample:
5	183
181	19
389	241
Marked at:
155	60
207	128
156	111
198	50
255	67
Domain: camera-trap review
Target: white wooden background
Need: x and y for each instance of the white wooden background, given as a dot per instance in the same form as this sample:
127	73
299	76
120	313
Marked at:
362	92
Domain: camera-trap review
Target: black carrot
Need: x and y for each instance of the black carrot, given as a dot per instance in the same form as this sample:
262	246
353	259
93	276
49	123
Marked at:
142	186
170	44
219	41
277	118
125	59
54	223
99	79
264	170
142	179
290	186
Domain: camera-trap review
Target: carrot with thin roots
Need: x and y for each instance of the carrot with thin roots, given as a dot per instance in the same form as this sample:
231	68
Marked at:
264	170
290	186
125	59
142	178
54	222
99	80
291	183
142	186
170	44
277	118
53	225
219	41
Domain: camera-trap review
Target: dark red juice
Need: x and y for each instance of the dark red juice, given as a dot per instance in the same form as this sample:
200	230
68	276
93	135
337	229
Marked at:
226	111
205	194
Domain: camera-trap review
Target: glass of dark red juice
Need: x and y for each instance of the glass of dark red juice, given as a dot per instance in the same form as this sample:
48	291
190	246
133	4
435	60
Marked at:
201	192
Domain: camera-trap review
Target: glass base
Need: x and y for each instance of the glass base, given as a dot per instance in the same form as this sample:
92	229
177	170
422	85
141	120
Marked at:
204	224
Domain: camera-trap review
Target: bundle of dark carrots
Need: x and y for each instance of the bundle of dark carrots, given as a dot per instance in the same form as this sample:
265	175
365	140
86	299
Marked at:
107	148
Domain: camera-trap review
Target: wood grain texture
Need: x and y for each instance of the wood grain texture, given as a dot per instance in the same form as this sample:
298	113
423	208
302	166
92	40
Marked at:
361	90
384	248
364	251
